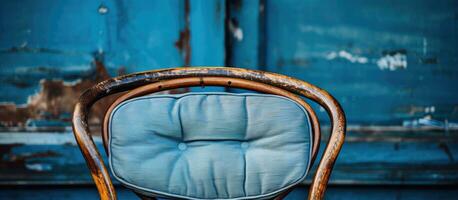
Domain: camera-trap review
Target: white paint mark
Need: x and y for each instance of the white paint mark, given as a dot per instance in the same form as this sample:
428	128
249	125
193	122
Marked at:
103	9
39	167
430	109
428	121
392	62
236	31
238	34
72	83
348	56
41	138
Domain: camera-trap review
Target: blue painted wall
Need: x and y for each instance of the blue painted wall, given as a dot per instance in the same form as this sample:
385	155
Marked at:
387	62
391	64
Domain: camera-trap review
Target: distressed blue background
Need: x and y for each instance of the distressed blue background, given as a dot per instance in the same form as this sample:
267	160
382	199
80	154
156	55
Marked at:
391	64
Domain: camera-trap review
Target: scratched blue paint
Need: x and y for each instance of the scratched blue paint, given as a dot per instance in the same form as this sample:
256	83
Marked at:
305	39
56	158
339	46
52	25
244	34
137	36
141	35
31	49
132	35
37	42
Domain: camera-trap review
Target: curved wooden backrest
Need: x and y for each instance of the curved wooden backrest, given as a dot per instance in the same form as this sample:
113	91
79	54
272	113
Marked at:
214	81
154	81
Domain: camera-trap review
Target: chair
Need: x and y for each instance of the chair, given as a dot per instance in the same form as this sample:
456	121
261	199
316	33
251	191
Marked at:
200	176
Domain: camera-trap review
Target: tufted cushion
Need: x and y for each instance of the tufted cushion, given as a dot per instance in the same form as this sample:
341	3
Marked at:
209	145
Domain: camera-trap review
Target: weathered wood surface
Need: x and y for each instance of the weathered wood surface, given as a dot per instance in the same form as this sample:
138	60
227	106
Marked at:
387	62
400	71
391	64
45	64
54	158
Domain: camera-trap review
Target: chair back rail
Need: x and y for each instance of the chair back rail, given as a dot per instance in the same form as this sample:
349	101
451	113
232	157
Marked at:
216	81
95	162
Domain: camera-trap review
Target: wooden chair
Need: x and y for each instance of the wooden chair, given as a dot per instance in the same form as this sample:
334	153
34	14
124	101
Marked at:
143	83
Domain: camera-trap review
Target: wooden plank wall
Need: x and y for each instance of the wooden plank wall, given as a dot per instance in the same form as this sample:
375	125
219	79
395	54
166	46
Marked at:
50	51
392	65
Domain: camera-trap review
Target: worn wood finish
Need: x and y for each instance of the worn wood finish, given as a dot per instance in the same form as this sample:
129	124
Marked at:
215	81
87	146
128	82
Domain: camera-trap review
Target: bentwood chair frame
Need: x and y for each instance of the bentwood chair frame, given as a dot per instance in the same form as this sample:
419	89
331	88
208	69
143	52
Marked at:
143	83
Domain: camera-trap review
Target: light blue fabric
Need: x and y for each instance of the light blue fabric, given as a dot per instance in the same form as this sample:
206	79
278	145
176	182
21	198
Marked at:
210	145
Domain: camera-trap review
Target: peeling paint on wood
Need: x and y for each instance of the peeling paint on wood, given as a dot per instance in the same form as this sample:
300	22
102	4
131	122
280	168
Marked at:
385	157
243	32
24	161
235	30
53	104
369	54
348	56
393	60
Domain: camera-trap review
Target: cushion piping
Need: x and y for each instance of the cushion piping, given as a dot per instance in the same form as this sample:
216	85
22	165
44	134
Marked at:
166	194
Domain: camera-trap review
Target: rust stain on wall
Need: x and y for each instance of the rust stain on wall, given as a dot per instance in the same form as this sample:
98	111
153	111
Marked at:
183	45
11	115
55	101
183	42
23	161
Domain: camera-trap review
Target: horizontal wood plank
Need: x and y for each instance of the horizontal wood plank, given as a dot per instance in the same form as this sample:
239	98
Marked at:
54	158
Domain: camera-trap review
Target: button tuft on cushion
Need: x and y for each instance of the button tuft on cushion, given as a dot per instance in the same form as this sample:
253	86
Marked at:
182	146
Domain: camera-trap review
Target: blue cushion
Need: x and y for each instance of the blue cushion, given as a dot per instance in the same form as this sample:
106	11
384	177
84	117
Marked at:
209	145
